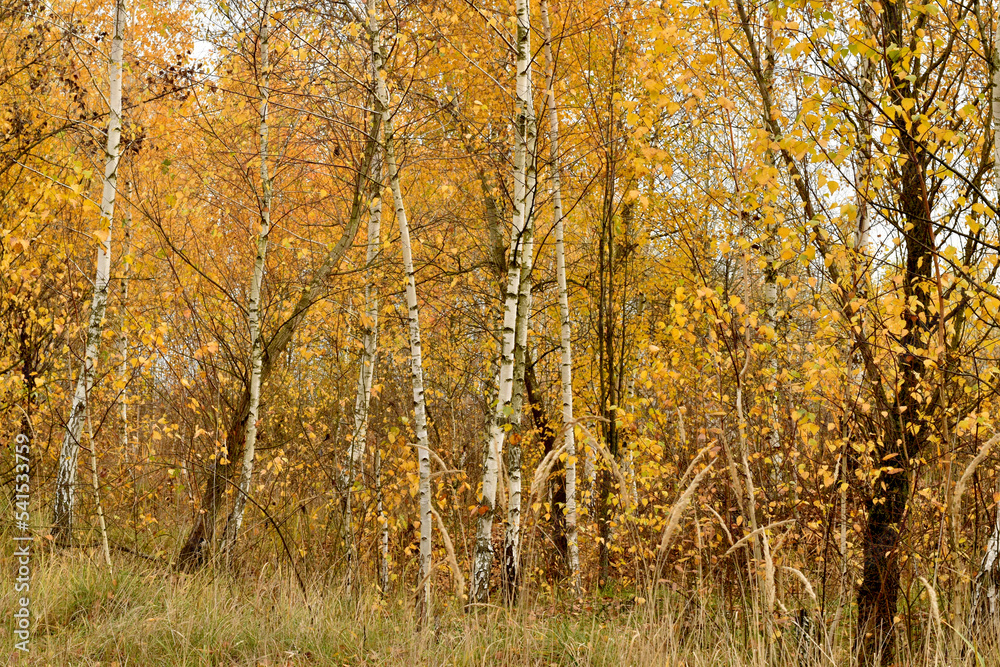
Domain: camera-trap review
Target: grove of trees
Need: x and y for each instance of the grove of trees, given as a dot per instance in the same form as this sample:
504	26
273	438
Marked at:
461	299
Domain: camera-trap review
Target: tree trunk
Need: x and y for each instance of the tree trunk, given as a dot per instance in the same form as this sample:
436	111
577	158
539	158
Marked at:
62	519
512	539
383	570
984	613
770	252
416	368
905	430
96	483
250	437
565	326
862	169
123	374
524	151
356	451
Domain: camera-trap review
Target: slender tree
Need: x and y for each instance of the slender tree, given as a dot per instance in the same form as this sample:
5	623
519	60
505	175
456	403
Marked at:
122	333
253	308
565	324
62	519
366	371
524	150
416	356
512	539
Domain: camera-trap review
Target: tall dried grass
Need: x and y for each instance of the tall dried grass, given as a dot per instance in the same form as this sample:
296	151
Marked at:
145	614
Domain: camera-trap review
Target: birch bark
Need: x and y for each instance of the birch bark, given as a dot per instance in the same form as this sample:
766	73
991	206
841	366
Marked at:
524	150
416	359
96	481
771	242
356	452
383	570
512	540
986	595
62	519
122	333
565	329
256	351
862	171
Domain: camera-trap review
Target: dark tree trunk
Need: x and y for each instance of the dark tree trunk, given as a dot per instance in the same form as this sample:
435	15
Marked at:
879	591
195	549
907	424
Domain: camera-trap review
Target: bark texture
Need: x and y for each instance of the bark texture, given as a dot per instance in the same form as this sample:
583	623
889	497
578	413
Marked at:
369	328
512	539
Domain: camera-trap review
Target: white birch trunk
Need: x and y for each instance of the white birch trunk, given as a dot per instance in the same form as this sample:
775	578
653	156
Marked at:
122	333
741	422
590	473
565	326
771	256
416	364
356	451
366	372
630	460
985	610
384	523
370	327
62	520
524	150
512	539
256	345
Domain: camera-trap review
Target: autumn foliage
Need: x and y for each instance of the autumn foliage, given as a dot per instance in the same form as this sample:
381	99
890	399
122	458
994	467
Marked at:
778	223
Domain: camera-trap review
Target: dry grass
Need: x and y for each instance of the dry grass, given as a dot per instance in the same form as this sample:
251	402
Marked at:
147	615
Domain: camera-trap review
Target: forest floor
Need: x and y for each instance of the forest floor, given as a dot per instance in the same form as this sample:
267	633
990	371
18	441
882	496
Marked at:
145	614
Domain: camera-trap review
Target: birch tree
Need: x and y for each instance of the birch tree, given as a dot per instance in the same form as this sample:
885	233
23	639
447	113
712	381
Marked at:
524	150
253	308
512	538
770	244
62	519
565	331
416	358
369	336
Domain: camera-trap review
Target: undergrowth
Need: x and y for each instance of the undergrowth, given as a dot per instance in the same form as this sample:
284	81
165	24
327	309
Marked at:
143	613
